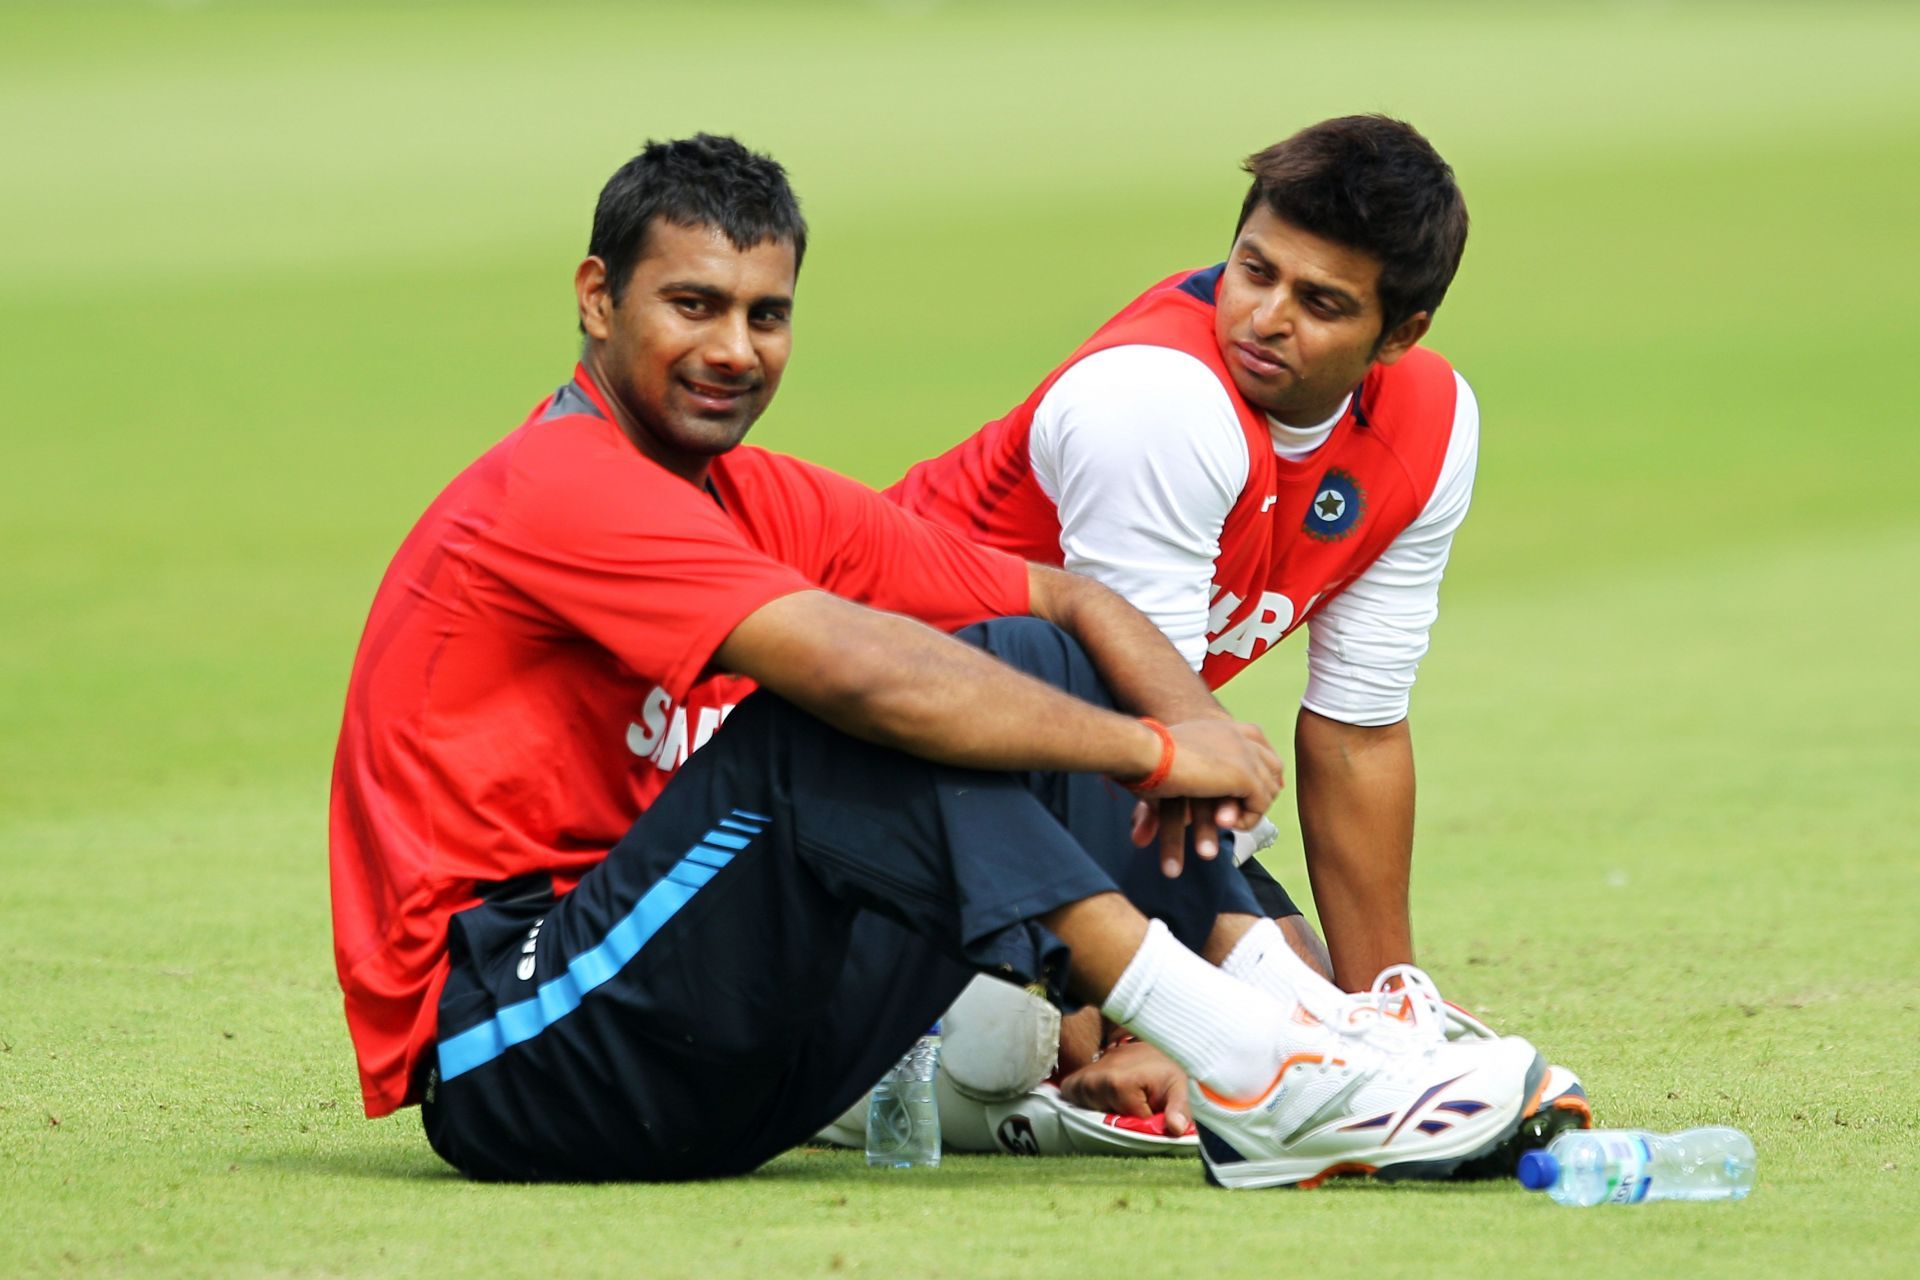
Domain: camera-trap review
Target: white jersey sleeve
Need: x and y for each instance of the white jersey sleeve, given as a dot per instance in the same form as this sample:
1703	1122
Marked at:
1365	644
1142	454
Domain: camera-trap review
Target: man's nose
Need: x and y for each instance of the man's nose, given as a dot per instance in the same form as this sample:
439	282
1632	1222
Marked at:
1273	318
729	345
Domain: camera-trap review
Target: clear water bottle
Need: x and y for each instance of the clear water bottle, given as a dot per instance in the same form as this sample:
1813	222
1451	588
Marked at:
903	1120
1625	1166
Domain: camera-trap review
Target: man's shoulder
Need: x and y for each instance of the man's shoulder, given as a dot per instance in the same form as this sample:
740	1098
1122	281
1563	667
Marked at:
572	478
751	468
1426	415
778	498
1146	397
1420	370
1144	420
560	436
1417	393
1176	312
1124	374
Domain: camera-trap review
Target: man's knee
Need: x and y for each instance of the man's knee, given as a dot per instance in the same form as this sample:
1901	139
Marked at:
1042	650
999	1040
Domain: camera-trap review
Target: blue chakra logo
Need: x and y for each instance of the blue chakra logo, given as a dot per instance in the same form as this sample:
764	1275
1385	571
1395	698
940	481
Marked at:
1336	509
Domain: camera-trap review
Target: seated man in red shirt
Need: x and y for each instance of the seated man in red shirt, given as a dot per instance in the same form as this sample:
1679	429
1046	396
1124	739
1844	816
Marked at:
604	915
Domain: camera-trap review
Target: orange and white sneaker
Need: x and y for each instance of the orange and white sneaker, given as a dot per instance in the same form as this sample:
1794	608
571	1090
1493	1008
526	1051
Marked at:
1394	1108
1562	1105
1405	996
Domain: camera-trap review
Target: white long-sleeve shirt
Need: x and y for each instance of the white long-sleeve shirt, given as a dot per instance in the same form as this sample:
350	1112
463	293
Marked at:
1142	454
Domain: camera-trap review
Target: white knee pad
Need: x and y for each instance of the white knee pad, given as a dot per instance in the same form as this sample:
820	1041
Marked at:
997	1041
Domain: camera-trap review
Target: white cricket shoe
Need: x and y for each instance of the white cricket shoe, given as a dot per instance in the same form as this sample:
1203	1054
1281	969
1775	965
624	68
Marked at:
1405	996
1403	1007
1401	1108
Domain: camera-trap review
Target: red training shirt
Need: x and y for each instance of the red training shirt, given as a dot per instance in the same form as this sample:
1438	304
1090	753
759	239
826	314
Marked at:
536	665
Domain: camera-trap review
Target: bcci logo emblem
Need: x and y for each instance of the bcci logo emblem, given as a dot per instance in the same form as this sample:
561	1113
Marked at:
1336	508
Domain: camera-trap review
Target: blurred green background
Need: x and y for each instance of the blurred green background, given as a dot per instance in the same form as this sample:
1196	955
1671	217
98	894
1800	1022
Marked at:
272	273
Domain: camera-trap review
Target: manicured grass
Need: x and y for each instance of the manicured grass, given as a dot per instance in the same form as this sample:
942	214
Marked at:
275	272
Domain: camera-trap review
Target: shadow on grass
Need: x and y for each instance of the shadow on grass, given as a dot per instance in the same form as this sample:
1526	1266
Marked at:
810	1167
1082	1174
418	1168
801	1167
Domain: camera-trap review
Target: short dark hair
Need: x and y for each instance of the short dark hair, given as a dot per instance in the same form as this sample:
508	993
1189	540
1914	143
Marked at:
1371	183
702	181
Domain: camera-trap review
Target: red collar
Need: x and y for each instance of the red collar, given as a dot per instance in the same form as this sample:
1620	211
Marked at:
584	380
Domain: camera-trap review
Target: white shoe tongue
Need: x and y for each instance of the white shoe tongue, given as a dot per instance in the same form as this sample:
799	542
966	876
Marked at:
1403	993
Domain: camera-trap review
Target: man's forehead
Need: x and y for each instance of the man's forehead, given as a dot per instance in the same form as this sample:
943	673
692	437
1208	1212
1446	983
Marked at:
705	251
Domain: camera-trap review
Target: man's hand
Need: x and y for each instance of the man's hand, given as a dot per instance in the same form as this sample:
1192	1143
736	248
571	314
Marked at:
1132	1079
1224	774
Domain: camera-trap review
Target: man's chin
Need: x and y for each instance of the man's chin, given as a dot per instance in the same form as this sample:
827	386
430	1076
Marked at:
1267	399
714	436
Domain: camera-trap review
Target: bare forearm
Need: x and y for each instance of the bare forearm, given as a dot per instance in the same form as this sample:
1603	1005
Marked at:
894	681
897	682
1356	793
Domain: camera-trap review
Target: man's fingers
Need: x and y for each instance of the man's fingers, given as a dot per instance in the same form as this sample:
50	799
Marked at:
1275	772
1178	1119
1231	814
1146	823
1271	759
1173	837
1206	833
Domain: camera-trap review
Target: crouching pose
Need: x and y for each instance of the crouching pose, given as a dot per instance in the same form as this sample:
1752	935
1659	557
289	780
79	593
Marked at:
603	916
1262	444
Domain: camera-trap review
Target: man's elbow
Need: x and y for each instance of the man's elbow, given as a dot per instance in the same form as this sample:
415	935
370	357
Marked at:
1324	736
1053	594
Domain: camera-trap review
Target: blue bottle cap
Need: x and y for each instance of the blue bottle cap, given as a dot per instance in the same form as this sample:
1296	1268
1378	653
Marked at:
1538	1170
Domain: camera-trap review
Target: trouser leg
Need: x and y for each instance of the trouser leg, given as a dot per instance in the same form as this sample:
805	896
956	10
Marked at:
712	992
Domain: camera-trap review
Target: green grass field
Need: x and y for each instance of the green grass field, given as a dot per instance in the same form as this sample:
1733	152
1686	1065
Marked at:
272	273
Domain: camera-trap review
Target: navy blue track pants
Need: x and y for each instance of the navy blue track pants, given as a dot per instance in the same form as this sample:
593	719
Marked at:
794	909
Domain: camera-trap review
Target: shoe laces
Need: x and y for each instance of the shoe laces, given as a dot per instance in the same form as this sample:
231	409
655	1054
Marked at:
1403	994
1406	995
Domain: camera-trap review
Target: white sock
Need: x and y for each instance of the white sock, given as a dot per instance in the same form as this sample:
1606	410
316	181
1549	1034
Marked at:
1263	960
1222	1032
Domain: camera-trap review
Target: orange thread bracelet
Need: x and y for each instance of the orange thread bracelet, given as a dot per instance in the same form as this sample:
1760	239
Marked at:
1160	770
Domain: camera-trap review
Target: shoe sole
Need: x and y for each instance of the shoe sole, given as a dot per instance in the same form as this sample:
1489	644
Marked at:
1537	1128
1248	1175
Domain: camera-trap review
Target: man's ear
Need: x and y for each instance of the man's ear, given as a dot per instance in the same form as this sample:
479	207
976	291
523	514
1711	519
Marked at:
596	303
1403	338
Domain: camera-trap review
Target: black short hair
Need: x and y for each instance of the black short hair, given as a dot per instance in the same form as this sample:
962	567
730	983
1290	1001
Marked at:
1371	183
702	181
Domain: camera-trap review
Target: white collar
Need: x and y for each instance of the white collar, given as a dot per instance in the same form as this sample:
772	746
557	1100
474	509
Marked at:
1298	442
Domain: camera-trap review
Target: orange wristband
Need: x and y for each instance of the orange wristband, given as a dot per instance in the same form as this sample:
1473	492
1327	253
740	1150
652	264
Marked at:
1160	770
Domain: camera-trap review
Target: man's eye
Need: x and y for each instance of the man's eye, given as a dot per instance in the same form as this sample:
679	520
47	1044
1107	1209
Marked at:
771	319
692	306
1258	270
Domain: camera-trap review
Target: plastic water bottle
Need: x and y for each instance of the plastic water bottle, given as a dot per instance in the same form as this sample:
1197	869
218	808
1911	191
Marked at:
1625	1166
903	1120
